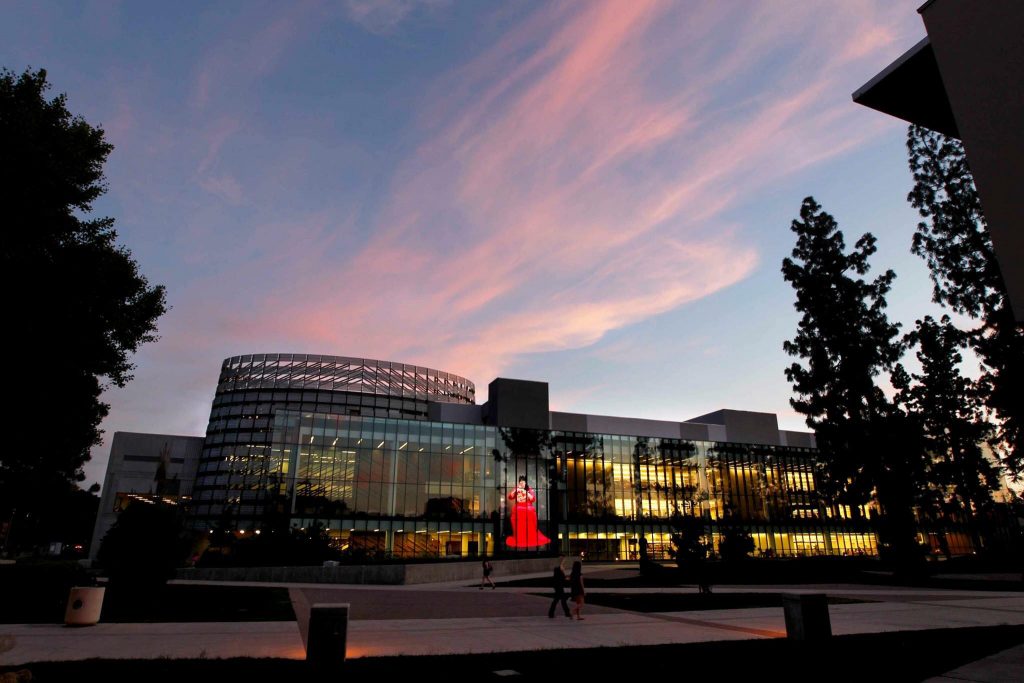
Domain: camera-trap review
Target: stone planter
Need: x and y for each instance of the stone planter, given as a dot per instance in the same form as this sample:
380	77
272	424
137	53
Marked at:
84	605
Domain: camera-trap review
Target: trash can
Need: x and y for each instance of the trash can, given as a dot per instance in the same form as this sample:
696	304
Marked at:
807	616
326	641
84	605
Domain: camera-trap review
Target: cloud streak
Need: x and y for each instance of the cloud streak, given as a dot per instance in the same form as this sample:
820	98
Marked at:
570	170
565	186
385	16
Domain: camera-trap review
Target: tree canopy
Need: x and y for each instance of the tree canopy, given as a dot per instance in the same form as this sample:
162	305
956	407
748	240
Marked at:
953	239
947	408
79	305
844	341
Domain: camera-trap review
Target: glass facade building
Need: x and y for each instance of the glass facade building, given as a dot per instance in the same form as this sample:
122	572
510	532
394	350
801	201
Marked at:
231	481
421	488
399	459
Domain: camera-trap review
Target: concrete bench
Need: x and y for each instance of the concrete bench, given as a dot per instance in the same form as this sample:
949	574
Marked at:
326	638
807	616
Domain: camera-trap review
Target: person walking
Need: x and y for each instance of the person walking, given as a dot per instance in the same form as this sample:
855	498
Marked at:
488	568
558	583
576	590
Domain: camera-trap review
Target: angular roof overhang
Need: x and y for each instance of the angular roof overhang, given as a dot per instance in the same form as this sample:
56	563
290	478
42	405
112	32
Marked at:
911	89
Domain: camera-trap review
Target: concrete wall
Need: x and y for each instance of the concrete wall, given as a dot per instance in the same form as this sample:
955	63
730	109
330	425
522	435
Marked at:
456	412
380	574
736	426
979	48
745	426
518	403
131	468
798	439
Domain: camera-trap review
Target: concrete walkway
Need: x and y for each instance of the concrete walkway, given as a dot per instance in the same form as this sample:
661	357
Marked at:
1007	665
456	618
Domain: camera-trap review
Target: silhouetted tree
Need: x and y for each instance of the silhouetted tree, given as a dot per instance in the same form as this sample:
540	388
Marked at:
144	546
689	548
947	405
844	342
953	239
734	543
75	299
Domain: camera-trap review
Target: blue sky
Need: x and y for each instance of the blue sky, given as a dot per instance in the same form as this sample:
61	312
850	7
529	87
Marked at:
595	194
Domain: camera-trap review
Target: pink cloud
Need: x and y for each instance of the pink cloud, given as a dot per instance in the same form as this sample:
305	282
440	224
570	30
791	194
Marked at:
566	184
384	16
248	53
223	186
215	137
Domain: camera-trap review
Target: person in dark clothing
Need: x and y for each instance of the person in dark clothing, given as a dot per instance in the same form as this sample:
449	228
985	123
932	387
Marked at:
576	590
558	583
488	568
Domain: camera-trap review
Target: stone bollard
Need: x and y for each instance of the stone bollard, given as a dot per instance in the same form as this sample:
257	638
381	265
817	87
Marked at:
325	643
807	616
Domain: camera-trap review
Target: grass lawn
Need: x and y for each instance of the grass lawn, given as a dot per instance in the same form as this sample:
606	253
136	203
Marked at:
906	656
689	602
864	571
173	603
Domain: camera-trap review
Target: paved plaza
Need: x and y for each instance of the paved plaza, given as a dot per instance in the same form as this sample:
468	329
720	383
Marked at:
457	618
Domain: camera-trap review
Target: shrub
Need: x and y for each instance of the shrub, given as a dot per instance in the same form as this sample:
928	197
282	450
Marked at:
36	591
144	547
736	544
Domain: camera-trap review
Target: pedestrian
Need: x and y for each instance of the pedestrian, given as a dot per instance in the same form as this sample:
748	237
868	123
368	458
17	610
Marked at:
558	583
576	588
487	574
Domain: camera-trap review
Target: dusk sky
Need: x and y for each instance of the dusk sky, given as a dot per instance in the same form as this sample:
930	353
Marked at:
593	194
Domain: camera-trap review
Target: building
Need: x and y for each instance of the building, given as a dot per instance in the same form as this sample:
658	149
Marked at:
145	467
400	459
966	80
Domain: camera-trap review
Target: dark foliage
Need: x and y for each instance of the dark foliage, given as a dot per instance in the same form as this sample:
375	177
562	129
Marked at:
948	408
953	239
736	544
36	591
276	547
67	519
844	342
690	550
688	545
144	547
76	297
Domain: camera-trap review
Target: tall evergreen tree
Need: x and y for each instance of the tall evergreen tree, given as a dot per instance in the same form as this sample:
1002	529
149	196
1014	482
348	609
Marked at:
947	405
953	238
844	342
77	303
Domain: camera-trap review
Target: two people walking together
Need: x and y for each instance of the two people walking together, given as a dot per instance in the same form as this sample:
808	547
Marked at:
576	590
